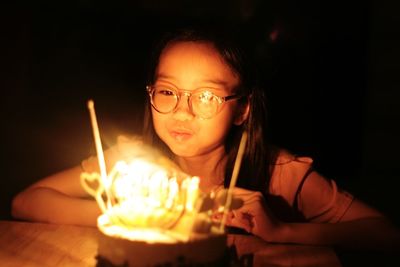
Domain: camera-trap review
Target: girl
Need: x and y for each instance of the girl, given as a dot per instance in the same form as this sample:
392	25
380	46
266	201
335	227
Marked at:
202	95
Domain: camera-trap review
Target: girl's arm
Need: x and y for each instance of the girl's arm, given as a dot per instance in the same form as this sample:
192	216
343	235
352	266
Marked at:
361	227
58	198
375	233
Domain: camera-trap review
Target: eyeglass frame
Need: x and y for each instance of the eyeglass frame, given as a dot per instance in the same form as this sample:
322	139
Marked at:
188	94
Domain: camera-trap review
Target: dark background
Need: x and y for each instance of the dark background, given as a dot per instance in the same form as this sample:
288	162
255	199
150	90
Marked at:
331	71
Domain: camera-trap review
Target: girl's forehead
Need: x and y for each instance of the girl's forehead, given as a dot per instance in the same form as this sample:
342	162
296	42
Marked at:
197	62
183	50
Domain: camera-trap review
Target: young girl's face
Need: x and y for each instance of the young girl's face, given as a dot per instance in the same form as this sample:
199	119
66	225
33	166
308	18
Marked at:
189	66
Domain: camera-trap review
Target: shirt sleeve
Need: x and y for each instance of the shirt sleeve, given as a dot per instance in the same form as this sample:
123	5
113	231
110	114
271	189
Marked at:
299	193
320	200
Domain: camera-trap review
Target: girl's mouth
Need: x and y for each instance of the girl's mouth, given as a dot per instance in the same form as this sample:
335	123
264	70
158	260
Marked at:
181	136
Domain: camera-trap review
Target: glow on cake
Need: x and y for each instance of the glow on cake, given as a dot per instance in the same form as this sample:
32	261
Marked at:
144	201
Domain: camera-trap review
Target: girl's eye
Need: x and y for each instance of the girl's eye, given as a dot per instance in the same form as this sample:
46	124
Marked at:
165	92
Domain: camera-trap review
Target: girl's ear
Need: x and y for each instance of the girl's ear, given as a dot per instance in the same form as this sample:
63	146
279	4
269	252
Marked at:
242	113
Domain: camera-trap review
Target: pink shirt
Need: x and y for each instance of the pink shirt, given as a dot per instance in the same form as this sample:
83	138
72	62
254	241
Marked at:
296	192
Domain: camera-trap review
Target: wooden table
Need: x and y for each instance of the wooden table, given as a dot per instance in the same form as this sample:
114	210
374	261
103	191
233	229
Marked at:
38	244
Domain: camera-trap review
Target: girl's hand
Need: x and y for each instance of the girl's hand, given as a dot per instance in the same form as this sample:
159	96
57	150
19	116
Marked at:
254	216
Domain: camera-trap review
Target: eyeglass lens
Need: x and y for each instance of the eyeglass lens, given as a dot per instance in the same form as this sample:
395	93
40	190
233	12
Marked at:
203	103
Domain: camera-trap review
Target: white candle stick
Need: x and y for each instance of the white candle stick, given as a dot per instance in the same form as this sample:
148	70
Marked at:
234	177
99	150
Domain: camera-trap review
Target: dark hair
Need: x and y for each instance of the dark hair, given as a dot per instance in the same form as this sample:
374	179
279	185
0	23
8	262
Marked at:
255	169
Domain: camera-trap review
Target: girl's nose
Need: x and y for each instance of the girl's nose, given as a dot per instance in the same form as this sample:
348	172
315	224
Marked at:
183	111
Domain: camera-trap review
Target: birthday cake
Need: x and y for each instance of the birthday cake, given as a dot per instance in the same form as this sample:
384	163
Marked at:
155	216
202	251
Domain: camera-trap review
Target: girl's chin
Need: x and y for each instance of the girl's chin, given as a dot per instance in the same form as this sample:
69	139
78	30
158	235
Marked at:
182	152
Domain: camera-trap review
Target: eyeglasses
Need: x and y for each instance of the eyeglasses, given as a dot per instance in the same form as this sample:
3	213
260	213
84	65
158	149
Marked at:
202	102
